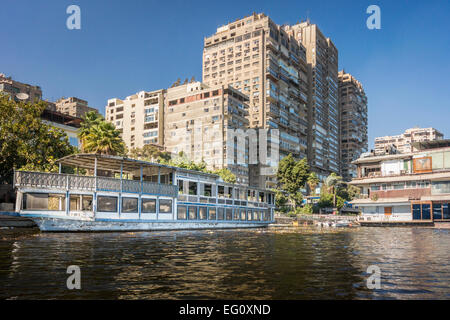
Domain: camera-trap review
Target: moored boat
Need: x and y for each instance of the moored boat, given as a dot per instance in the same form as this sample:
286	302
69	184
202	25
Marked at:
120	194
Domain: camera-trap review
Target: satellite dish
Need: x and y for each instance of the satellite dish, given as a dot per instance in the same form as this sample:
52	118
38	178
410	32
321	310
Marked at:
22	96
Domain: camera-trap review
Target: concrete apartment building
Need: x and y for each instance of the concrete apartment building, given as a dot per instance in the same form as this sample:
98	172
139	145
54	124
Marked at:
260	59
140	118
200	120
323	107
353	121
18	90
73	106
403	143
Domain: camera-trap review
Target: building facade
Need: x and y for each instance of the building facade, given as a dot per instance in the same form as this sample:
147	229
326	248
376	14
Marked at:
403	143
323	107
411	186
73	106
20	91
262	60
201	121
353	123
139	117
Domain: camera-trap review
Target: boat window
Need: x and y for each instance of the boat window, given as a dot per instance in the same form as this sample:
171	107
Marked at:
192	213
220	214
129	205
208	190
437	211
165	206
257	215
148	205
181	215
202	213
236	214
80	202
212	214
261	196
180	186
221	191
44	201
229	214
243	217
445	211
192	188
230	192
249	215
106	204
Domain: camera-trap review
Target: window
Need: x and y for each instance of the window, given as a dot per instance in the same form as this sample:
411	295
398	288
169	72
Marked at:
236	214
437	211
416	211
107	204
148	205
221	191
220	213
426	215
192	213
243	216
181	215
192	188
249	215
44	201
202	213
129	205
228	214
212	214
208	190
80	202
165	206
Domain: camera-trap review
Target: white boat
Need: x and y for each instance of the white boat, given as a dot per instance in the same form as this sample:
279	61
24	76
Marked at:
342	223
121	194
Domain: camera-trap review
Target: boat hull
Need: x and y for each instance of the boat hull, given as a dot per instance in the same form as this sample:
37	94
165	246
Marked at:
64	225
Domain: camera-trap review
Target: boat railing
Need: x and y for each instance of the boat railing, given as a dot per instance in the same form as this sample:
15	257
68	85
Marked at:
48	180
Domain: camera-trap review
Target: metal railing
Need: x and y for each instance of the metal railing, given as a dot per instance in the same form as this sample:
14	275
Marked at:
89	183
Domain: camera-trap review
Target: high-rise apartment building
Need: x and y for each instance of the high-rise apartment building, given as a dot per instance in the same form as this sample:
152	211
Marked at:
353	121
323	117
18	90
73	106
262	60
200	121
403	143
139	117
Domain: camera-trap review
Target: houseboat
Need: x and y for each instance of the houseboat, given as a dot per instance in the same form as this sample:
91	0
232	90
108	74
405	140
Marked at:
111	193
411	187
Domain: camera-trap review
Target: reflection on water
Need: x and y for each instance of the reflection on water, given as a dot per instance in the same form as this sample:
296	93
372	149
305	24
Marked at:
302	263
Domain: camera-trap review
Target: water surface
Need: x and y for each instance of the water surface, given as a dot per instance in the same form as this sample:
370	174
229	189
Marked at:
298	263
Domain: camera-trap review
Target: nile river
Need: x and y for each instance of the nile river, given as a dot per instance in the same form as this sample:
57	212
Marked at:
301	263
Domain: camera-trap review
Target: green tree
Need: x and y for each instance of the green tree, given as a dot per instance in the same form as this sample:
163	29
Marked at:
313	181
104	138
292	176
226	175
25	141
333	182
89	119
281	201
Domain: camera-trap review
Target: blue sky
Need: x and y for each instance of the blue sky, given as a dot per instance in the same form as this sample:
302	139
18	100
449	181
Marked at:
127	46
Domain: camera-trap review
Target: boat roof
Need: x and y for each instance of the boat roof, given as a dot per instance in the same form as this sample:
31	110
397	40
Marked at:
114	163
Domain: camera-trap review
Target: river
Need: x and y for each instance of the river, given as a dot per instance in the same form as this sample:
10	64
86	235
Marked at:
295	263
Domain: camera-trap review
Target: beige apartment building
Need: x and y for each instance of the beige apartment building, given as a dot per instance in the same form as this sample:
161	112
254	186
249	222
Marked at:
323	107
200	121
403	143
260	59
139	117
73	106
353	121
18	90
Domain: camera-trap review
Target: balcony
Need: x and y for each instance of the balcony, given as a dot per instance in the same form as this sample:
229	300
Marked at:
69	182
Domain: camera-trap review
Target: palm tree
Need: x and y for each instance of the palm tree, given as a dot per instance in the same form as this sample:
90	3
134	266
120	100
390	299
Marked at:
333	181
89	119
103	138
313	181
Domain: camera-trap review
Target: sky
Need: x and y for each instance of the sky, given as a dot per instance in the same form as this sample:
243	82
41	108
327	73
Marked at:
124	47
